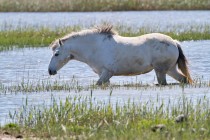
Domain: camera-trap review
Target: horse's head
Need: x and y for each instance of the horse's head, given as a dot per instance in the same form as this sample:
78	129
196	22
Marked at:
60	57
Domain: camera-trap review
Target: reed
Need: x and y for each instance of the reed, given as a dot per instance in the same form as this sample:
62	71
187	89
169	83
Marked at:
100	5
73	85
84	118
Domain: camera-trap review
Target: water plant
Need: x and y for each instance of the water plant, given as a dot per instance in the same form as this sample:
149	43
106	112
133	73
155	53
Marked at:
79	117
74	85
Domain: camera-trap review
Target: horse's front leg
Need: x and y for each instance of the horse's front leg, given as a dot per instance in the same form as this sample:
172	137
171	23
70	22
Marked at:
161	76
104	77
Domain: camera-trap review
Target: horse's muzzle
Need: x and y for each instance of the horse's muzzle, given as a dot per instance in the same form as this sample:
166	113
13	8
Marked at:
52	72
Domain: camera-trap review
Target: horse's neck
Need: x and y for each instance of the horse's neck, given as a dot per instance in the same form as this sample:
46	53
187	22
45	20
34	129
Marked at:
85	46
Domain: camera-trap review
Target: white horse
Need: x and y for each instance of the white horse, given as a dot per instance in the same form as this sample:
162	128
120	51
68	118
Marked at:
109	54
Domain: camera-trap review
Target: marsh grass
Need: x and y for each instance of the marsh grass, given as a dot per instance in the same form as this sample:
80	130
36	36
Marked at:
43	36
73	85
100	5
31	37
84	118
44	86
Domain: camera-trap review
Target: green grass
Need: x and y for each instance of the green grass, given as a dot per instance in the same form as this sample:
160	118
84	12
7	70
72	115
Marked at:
82	118
86	117
43	36
30	37
101	5
73	85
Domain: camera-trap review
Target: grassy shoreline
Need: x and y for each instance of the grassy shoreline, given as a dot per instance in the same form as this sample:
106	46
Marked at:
87	120
100	5
43	36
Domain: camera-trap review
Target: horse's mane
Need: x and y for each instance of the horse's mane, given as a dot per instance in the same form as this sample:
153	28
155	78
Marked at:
102	29
105	29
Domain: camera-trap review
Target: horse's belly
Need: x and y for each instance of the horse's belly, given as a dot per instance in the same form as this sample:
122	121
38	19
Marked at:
133	70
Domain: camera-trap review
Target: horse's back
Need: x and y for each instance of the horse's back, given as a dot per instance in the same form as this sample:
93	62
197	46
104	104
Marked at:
137	55
148	44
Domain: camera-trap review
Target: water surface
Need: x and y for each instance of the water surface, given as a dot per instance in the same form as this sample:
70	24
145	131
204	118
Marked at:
30	65
160	19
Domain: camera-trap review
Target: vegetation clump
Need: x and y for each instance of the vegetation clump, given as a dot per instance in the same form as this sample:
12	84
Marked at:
43	36
82	118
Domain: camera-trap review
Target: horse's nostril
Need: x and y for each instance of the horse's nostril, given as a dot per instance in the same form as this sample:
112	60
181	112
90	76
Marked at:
50	72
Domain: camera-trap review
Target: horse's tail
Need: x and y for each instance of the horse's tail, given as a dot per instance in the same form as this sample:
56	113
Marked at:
183	64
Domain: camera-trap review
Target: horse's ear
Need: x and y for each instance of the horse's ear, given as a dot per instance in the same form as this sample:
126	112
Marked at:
60	42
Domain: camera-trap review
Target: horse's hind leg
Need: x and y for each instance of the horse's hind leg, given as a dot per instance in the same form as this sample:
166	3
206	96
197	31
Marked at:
173	72
104	77
161	77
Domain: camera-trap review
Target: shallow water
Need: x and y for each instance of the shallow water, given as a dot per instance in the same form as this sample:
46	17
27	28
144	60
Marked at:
152	19
30	65
154	95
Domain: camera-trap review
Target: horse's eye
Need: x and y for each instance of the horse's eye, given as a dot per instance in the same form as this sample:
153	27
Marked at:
56	53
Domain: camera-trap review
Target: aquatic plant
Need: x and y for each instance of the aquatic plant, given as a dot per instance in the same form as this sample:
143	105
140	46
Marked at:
80	117
86	117
73	85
